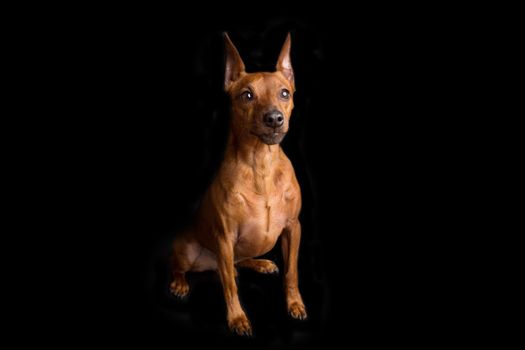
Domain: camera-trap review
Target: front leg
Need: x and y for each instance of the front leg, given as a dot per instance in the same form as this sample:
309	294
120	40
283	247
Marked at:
237	320
290	246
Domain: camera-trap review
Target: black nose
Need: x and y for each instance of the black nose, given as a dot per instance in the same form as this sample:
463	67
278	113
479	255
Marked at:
273	119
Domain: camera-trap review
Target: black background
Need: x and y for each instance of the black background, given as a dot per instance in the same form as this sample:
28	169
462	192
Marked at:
369	133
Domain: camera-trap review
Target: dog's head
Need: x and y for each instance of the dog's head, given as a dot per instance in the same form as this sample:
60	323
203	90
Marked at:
261	102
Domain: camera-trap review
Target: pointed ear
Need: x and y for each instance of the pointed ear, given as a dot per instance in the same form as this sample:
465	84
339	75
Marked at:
284	63
234	64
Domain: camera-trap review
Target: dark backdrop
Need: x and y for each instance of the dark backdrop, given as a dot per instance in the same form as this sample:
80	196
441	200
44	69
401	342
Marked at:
365	139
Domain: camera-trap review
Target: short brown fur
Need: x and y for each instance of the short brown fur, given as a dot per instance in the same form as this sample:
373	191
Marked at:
254	199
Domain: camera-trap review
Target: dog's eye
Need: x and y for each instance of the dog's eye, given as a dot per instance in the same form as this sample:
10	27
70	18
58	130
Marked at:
247	96
285	94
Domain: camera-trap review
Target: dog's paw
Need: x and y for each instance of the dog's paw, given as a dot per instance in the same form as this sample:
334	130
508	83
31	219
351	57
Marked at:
240	325
179	288
259	265
266	266
297	310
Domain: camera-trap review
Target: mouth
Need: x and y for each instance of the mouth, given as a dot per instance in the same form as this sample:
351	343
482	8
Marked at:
271	138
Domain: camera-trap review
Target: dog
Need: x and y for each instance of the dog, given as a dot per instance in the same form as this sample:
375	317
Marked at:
255	197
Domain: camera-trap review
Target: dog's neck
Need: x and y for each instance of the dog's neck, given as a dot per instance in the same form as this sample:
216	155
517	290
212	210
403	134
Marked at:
252	151
256	155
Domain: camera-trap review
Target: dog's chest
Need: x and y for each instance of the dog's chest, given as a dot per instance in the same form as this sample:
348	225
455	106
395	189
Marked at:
263	218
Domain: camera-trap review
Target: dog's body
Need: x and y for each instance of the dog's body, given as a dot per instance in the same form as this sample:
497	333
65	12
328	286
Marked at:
255	198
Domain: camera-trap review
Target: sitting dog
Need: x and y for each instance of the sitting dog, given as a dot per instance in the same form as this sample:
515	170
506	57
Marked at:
255	197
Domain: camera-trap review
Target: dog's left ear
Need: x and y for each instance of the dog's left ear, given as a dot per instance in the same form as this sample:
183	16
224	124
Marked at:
284	63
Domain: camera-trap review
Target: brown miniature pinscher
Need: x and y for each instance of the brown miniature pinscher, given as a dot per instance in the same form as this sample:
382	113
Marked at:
255	197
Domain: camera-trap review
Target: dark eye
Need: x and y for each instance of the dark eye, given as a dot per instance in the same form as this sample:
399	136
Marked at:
285	94
247	96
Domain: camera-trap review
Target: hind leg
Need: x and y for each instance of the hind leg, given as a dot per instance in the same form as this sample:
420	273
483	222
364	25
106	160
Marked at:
180	264
179	286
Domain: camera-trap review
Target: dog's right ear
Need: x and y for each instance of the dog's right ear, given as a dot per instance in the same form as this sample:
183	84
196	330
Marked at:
234	64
